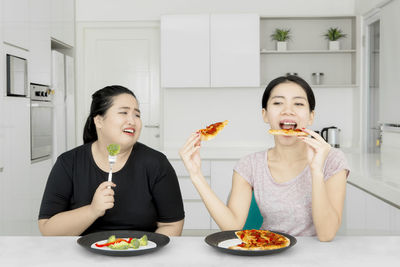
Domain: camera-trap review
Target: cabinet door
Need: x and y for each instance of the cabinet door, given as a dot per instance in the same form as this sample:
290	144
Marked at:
40	43
63	21
196	214
368	215
235	50
15	191
15	15
185	51
389	91
221	181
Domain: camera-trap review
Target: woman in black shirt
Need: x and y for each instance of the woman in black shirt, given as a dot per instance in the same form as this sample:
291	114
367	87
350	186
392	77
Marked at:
144	194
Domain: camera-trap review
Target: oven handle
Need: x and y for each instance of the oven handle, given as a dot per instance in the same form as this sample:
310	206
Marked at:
37	104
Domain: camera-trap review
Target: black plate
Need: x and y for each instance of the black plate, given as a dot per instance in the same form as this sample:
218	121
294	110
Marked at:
214	239
87	241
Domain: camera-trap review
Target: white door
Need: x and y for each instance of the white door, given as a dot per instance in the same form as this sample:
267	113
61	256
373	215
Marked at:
58	85
127	56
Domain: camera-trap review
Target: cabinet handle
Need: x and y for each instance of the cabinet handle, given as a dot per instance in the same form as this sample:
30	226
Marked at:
152	125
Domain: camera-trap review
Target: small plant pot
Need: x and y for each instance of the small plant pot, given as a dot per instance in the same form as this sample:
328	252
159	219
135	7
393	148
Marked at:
334	45
281	46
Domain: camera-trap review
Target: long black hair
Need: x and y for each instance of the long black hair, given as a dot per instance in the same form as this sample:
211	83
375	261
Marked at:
102	100
290	78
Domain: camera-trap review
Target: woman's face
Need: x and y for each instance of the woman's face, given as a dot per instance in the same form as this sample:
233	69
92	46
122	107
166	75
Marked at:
121	124
288	108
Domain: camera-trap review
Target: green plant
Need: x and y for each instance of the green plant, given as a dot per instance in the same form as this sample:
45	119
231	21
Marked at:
334	34
281	35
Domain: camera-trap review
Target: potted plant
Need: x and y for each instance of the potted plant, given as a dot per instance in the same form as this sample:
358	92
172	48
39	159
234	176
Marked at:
281	36
333	35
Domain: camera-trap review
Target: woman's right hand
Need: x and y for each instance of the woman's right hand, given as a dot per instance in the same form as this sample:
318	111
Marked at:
190	154
103	198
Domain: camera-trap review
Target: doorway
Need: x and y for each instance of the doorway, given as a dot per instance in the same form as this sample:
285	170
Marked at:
124	54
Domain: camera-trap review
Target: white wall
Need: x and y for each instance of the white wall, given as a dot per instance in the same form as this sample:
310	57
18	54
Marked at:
241	106
186	110
364	6
123	10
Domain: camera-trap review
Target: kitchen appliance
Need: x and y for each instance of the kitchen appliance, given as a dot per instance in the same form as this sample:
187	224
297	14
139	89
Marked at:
41	122
331	136
317	78
64	103
17	76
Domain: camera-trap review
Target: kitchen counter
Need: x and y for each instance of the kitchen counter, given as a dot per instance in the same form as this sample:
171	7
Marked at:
193	251
376	174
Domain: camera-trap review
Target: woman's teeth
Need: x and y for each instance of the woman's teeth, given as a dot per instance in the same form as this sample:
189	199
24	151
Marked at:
129	131
288	125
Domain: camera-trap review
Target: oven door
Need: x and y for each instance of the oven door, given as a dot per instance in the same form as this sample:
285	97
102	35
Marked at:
41	130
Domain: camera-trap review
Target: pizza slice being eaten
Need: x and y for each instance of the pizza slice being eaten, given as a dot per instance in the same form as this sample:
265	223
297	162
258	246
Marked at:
212	130
287	132
260	240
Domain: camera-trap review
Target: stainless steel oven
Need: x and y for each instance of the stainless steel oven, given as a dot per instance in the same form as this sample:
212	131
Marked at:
41	122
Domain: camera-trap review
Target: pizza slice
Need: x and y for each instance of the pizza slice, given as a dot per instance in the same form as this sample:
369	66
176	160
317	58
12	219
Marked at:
287	132
212	130
260	240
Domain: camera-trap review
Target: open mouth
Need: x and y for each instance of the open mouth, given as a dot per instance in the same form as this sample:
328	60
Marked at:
129	131
288	125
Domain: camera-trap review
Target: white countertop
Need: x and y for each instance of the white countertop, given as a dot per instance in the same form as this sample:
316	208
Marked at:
377	174
193	251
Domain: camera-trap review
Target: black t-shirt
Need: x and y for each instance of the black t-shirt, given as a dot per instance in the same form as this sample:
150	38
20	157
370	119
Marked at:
147	189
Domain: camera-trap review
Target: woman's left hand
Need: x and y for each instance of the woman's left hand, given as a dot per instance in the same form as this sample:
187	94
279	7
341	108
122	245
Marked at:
317	150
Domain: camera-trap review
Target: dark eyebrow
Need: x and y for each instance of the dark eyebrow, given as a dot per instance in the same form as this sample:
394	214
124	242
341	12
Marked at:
135	109
279	96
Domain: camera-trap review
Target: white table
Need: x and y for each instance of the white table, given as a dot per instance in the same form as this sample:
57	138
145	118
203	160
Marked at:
193	251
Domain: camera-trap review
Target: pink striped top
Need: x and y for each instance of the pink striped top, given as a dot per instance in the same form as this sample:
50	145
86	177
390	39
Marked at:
286	207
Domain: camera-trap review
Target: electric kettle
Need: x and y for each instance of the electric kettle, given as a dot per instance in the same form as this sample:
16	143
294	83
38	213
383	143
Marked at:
331	136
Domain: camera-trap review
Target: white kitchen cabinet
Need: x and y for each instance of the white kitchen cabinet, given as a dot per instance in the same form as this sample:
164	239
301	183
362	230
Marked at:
234	50
40	43
366	214
389	63
15	14
15	198
210	50
221	181
196	214
185	51
63	21
218	174
1	163
39	172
